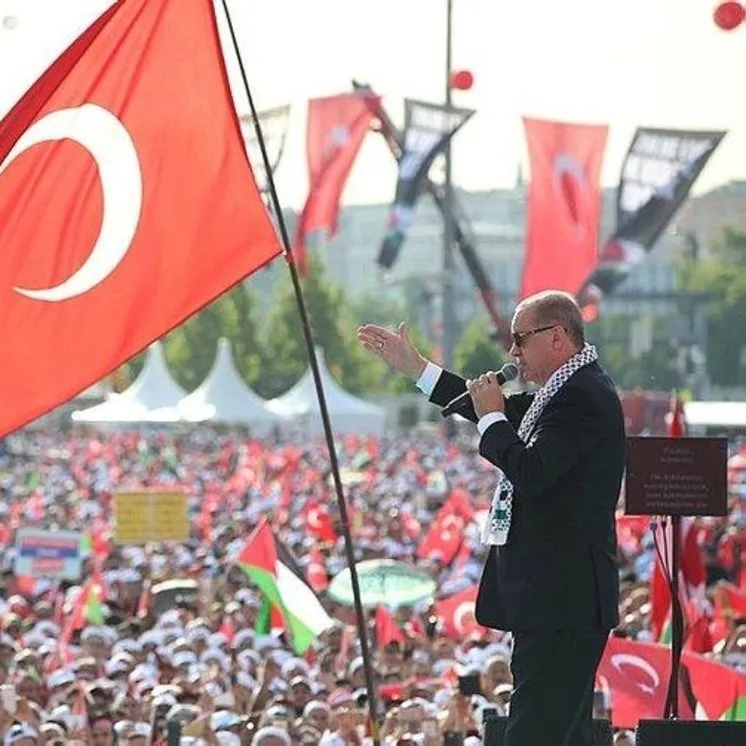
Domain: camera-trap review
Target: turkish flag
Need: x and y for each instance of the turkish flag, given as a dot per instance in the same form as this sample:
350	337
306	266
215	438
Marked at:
457	613
564	204
127	201
335	131
637	675
443	539
318	522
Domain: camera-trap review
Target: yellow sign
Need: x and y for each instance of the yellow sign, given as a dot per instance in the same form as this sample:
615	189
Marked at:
143	517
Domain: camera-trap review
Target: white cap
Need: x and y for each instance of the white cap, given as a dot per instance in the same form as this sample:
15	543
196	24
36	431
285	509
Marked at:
279	733
19	731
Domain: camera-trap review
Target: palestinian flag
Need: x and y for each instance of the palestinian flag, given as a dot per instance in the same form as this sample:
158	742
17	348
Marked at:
274	571
691	578
87	609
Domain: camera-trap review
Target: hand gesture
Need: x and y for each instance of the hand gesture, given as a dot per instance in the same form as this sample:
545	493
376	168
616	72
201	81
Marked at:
394	348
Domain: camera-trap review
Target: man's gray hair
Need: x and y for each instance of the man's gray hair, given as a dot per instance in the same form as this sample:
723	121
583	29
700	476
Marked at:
556	307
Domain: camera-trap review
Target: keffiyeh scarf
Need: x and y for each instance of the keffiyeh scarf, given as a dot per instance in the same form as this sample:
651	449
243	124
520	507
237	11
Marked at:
497	525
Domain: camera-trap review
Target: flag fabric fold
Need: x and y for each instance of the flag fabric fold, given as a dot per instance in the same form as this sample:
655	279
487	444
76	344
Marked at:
564	204
428	128
336	128
637	674
657	175
276	574
127	202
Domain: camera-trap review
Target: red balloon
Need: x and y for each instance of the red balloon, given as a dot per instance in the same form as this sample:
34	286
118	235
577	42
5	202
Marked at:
462	80
729	15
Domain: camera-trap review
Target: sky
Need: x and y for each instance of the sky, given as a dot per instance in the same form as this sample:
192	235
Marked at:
638	62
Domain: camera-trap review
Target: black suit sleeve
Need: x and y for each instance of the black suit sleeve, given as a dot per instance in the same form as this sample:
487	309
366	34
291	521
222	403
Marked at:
566	431
449	386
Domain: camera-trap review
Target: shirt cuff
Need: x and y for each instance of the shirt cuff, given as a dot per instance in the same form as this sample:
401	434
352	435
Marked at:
426	382
490	419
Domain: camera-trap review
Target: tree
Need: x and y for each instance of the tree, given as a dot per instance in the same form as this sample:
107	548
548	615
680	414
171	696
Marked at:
722	277
377	310
285	357
476	353
390	313
656	369
191	348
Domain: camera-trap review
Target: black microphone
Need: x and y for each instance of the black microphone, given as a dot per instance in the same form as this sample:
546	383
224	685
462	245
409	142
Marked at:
462	402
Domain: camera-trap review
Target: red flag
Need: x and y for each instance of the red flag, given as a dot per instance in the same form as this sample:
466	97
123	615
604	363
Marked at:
443	540
457	613
692	570
445	537
387	630
335	132
127	202
719	689
318	522
637	674
564	204
675	418
691	577
260	549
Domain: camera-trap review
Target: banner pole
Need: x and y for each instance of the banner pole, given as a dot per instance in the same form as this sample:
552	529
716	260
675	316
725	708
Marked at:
677	623
328	433
462	233
448	310
675	429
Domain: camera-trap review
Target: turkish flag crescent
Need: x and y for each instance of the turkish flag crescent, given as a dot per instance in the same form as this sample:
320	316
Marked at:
564	204
336	128
127	202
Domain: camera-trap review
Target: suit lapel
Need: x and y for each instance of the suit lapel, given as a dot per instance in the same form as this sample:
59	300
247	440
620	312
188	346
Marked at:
590	369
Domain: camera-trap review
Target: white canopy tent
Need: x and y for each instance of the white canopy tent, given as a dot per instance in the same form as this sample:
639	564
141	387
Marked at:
224	397
152	397
348	413
716	414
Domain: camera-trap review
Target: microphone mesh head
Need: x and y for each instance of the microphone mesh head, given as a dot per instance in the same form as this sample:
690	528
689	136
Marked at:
510	371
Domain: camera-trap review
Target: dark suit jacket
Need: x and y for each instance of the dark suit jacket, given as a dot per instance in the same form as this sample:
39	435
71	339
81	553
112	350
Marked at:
558	569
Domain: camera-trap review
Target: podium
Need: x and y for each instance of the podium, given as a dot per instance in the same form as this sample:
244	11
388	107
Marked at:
671	478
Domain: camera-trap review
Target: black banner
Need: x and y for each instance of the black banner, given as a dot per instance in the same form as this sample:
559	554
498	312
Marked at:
658	172
274	125
427	130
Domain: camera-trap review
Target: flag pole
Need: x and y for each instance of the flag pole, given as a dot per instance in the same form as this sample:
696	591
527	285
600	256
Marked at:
675	428
328	434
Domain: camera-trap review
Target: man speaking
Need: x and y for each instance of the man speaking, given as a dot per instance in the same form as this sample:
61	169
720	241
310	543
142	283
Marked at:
550	576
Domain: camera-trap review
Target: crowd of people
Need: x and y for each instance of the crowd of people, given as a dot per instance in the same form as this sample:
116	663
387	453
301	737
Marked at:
171	642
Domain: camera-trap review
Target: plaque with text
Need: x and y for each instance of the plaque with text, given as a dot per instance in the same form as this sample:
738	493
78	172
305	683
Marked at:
676	476
141	517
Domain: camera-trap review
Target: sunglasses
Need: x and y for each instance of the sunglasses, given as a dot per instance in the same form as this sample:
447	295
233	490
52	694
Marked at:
520	338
